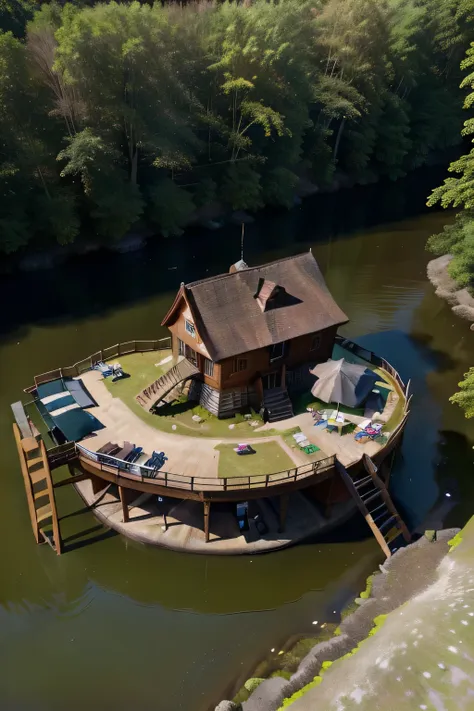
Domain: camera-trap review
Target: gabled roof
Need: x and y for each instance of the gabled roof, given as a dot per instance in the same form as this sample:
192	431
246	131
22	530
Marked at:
230	321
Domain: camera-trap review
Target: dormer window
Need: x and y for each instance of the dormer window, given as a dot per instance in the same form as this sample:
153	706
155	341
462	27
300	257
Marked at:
267	294
189	328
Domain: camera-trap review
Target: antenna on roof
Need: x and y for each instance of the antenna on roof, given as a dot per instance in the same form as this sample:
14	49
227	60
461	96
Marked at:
242	235
310	250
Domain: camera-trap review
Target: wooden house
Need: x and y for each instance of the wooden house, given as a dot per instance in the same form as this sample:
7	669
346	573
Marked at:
252	333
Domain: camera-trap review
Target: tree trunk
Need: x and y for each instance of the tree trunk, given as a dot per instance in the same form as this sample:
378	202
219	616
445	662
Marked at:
134	167
338	139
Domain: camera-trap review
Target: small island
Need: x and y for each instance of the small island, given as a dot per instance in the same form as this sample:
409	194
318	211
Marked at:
253	426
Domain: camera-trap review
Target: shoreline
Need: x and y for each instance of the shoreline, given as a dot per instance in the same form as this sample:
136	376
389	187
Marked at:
460	300
387	590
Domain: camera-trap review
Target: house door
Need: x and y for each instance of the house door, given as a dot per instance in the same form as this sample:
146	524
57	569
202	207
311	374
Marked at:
271	380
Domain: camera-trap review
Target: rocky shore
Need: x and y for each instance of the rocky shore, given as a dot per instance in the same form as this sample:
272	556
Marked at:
460	300
407	645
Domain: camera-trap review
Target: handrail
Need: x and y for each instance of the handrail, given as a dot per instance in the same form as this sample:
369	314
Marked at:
361	352
119	349
140	472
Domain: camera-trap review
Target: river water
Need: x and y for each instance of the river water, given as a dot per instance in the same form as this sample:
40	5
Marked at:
115	625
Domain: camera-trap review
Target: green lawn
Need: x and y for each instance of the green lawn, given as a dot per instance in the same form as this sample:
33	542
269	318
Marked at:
176	417
269	458
288	438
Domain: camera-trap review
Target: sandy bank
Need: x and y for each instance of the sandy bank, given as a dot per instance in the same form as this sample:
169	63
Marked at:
460	300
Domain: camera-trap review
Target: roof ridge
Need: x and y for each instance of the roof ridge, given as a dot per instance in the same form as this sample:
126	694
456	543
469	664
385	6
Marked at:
216	277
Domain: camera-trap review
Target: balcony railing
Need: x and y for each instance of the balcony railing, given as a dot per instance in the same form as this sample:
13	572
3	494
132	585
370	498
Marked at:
141	473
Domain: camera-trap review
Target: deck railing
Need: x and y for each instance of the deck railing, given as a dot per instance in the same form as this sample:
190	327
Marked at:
119	349
141	473
372	358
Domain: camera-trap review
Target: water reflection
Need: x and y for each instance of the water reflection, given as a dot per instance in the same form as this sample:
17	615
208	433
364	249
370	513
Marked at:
123	625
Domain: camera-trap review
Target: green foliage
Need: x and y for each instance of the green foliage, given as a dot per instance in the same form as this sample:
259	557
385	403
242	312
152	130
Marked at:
110	112
241	187
465	397
170	207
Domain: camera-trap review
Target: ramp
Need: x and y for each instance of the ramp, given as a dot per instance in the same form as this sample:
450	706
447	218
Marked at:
163	385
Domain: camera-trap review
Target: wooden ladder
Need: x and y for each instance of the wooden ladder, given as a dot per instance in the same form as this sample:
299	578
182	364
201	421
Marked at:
39	489
375	504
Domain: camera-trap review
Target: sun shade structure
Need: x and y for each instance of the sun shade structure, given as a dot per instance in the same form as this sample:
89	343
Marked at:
343	382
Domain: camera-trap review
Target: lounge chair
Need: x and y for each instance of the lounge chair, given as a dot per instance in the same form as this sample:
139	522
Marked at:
103	368
244	449
125	451
134	455
110	448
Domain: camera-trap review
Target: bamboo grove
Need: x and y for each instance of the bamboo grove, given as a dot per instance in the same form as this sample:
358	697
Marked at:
117	115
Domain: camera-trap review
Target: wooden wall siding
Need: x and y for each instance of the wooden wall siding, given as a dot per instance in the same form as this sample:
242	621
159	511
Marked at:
258	362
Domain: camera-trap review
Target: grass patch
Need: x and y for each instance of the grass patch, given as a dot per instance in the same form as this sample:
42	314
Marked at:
269	458
454	542
288	439
178	415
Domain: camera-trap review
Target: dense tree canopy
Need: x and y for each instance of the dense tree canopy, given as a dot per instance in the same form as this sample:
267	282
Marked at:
113	114
458	238
465	397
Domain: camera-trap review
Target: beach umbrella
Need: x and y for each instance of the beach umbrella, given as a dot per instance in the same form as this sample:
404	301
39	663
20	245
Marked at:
343	382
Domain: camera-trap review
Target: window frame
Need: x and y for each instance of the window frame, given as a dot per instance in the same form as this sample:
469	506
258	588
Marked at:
239	365
282	344
208	367
190	328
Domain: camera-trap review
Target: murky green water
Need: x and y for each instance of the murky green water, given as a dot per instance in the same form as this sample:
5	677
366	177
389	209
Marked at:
115	625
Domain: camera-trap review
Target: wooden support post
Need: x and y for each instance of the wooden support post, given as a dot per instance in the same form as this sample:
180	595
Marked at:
284	499
98	484
52	500
207	516
123	498
27	483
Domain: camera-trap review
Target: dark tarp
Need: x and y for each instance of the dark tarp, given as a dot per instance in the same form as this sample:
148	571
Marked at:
77	424
52	388
60	402
80	393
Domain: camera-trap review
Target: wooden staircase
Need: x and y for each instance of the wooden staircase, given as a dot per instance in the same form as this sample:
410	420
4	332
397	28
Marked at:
278	404
375	504
39	489
162	386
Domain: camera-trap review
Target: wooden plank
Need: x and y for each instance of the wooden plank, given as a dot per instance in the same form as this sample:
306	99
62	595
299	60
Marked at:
123	499
207	516
52	500
44	512
21	419
27	483
29	444
370	466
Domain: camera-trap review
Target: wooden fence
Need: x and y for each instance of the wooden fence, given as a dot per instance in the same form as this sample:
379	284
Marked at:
120	349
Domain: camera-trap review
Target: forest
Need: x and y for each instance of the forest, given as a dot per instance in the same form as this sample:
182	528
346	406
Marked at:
115	116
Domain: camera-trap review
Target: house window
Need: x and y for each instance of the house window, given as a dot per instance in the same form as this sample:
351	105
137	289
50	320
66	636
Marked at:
277	351
181	347
239	364
316	342
208	367
189	327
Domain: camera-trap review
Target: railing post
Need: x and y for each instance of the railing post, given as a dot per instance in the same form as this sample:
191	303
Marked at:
166	479
267	479
192	483
225	483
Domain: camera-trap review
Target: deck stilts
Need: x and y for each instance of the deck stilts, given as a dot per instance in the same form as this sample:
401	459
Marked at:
207	516
124	499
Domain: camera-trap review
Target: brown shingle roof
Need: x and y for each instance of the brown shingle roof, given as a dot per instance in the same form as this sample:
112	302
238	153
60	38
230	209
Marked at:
230	321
